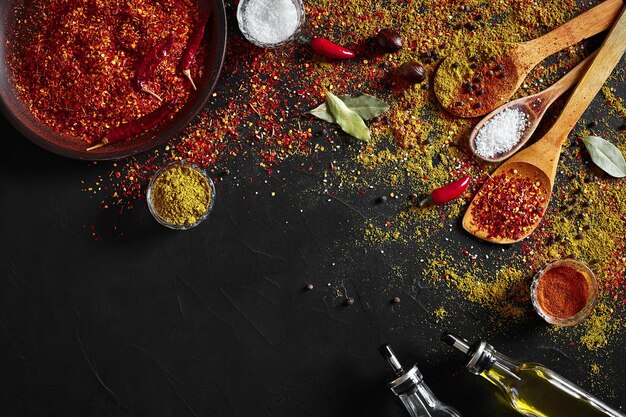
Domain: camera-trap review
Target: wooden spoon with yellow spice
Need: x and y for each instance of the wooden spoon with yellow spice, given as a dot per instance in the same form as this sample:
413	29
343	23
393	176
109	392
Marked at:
474	81
510	205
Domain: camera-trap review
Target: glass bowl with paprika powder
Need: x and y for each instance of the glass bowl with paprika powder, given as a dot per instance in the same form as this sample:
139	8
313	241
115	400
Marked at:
564	292
180	196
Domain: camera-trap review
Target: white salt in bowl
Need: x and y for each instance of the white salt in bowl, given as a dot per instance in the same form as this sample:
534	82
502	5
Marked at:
270	23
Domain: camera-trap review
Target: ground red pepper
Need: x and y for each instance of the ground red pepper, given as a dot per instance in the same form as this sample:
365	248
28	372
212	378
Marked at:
507	205
563	291
74	62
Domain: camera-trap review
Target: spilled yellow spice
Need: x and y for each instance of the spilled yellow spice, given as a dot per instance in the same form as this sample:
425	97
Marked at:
599	327
614	102
440	314
506	294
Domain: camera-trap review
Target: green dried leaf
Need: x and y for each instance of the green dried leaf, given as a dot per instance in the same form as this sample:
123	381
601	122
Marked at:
321	112
349	121
606	155
365	105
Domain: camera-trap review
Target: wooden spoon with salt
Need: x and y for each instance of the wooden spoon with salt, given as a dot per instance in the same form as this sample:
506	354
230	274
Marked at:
474	81
534	107
537	164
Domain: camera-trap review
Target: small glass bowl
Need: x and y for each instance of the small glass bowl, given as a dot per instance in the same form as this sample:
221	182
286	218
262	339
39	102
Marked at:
591	301
246	33
153	210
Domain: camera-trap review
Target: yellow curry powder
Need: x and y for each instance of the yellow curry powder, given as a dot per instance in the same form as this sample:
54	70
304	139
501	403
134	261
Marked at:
181	195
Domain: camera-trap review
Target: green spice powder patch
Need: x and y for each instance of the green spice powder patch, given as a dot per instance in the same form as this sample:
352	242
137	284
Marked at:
181	195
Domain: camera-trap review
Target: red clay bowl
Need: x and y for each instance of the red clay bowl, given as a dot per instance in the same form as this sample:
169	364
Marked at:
18	114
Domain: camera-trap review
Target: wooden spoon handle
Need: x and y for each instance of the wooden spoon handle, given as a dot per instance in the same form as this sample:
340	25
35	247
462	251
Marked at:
590	23
606	60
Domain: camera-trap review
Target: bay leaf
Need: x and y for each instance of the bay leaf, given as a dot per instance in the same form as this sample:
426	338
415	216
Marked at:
349	121
606	155
365	105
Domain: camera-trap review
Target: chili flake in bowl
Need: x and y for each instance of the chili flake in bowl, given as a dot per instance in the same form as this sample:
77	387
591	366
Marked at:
564	292
78	73
180	196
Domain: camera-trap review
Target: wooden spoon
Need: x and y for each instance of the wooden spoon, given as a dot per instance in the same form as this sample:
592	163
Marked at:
534	107
474	81
537	163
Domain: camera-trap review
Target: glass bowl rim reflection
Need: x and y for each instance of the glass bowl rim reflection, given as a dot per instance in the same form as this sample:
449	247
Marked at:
242	26
155	213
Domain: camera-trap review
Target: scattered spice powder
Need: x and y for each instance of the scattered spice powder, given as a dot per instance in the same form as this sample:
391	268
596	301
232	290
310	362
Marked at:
563	291
257	115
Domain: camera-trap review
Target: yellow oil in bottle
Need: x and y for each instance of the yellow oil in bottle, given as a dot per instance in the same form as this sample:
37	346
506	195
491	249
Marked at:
536	391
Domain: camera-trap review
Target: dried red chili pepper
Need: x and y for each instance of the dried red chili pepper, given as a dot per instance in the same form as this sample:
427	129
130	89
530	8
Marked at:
150	62
136	127
447	192
329	49
193	44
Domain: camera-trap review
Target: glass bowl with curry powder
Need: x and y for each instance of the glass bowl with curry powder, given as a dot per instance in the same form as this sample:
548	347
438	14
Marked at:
564	292
180	195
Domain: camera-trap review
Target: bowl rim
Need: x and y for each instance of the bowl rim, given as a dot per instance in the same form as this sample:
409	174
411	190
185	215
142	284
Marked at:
185	115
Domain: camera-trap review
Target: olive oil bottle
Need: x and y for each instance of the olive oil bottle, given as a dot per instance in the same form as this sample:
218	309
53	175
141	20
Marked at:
532	389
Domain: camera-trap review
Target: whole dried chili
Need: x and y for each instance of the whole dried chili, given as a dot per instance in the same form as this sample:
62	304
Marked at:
447	192
150	62
136	127
324	47
192	47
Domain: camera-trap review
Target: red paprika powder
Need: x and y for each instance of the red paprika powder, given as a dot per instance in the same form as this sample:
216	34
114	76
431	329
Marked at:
563	291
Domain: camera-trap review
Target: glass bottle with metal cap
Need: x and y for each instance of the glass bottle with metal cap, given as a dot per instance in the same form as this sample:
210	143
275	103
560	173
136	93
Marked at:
531	388
409	386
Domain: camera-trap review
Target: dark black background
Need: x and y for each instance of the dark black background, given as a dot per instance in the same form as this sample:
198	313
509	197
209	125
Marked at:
214	321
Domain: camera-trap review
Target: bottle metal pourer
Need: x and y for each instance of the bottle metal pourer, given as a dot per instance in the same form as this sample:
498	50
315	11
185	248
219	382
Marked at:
531	388
409	386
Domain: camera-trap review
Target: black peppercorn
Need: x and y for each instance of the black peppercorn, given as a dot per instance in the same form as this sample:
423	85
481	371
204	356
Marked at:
309	287
413	197
480	92
396	300
473	65
382	199
470	26
455	65
349	301
477	105
459	103
478	79
499	67
490	73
